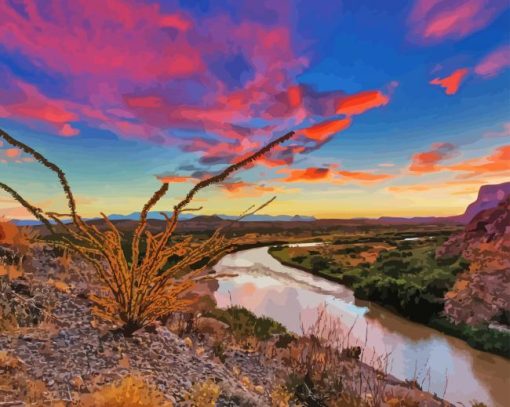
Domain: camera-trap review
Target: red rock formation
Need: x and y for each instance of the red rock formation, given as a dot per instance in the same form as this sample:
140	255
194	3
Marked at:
482	294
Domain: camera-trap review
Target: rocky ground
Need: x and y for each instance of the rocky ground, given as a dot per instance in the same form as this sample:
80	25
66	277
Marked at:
69	352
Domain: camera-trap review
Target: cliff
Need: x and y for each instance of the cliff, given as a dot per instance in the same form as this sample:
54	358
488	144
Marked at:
481	295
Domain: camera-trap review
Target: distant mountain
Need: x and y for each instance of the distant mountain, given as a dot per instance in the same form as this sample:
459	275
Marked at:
489	196
419	220
187	216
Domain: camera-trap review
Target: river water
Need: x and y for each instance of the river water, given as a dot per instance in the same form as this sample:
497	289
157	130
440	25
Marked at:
443	365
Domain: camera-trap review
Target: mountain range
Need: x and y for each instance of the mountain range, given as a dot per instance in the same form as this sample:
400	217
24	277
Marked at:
488	197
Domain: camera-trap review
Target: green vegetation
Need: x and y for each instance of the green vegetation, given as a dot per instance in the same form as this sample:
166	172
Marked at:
404	277
244	323
480	337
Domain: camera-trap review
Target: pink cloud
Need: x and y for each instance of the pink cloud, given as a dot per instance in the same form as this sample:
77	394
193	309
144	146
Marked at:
452	82
92	38
68	131
494	63
141	72
436	20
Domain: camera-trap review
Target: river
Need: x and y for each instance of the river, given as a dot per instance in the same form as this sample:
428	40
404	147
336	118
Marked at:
442	364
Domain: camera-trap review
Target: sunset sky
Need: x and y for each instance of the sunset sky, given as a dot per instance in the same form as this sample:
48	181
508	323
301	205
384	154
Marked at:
400	107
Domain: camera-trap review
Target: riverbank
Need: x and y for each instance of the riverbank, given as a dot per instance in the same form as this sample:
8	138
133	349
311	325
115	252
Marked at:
418	299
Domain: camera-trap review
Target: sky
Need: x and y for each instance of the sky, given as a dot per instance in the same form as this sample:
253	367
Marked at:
400	108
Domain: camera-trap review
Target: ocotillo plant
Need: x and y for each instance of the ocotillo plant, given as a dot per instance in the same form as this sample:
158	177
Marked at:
141	286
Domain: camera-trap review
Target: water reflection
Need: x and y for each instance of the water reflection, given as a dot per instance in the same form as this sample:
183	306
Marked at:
293	297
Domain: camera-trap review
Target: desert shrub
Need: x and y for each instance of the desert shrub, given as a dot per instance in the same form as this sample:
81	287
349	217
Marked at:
318	263
204	394
131	391
145	279
16	242
244	323
281	397
298	259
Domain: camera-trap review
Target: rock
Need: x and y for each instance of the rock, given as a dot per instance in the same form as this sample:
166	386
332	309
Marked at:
211	326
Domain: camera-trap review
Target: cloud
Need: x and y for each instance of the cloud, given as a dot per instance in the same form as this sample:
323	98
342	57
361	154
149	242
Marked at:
171	179
68	131
429	161
13	155
364	176
452	82
361	102
310	174
323	131
429	186
503	133
12	152
332	175
433	21
216	84
497	161
494	63
241	189
22	101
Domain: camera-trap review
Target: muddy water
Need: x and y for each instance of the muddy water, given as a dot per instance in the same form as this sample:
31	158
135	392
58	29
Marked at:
442	364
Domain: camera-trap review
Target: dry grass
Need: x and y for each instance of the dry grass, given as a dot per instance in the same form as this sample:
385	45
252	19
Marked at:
16	244
142	283
280	396
131	391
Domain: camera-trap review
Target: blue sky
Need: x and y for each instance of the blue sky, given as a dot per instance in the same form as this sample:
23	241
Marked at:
399	108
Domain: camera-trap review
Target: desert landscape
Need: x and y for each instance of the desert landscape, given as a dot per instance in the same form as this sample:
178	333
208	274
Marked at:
254	203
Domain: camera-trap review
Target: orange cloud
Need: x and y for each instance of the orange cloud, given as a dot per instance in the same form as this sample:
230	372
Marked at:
12	152
322	131
364	176
361	102
241	189
494	63
174	178
310	174
451	83
331	175
498	161
428	161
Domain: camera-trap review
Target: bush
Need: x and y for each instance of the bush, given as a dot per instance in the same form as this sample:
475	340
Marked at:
318	263
481	337
244	323
131	391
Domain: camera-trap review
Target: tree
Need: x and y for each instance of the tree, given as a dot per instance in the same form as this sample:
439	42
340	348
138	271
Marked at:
140	286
